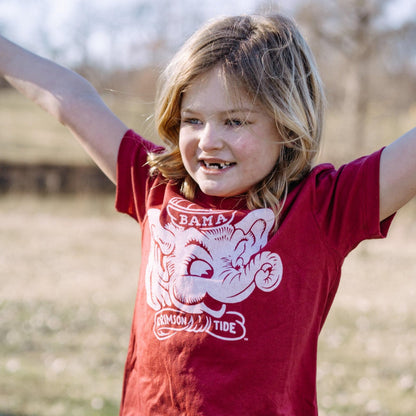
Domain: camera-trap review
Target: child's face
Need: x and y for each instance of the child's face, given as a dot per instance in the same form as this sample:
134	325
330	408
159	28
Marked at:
227	146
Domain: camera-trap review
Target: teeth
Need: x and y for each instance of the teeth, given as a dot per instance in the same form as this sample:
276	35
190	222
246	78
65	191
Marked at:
218	165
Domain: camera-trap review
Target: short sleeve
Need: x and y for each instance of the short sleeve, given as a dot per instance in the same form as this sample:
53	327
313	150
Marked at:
347	201
133	174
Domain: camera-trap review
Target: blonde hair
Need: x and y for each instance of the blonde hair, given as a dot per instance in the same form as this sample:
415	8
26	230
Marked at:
268	59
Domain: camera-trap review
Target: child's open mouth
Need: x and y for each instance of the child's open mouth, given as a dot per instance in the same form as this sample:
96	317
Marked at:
217	165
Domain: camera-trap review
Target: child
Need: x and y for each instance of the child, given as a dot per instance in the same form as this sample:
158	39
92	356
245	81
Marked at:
243	240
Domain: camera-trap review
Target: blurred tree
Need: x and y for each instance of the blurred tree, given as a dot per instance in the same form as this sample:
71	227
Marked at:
349	38
268	6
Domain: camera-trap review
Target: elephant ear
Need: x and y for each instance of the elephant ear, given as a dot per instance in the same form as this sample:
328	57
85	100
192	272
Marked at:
251	233
164	237
162	245
269	271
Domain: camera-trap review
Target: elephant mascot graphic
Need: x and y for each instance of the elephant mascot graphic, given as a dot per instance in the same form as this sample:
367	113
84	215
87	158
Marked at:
200	262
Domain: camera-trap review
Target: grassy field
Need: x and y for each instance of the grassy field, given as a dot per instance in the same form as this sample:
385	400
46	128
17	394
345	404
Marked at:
27	134
68	272
68	275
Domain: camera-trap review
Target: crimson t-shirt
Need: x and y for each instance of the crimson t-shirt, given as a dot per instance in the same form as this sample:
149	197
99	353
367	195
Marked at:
228	313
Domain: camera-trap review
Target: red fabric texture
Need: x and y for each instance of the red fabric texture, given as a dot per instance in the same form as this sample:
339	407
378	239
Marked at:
228	314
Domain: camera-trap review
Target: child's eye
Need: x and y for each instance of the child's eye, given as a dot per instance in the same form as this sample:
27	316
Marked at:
236	122
193	121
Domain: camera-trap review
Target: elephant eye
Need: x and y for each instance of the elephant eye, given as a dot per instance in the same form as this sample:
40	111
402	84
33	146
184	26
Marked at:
200	268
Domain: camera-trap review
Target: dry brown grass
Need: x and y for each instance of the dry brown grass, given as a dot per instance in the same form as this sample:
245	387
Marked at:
27	134
67	284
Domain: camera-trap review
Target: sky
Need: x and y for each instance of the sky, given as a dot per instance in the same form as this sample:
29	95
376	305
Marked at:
400	9
34	23
51	27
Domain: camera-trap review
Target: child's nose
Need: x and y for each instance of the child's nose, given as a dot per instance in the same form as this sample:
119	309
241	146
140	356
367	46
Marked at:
210	138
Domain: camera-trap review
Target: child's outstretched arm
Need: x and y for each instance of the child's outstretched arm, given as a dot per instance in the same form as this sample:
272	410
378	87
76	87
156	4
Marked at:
398	174
69	98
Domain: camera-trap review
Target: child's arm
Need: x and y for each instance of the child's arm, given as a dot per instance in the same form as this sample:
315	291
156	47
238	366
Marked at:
69	98
398	174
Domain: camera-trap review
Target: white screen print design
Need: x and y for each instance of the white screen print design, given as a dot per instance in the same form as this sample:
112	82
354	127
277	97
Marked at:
200	263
